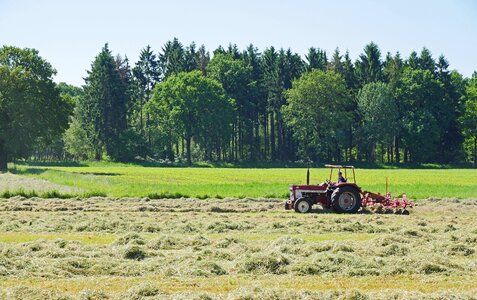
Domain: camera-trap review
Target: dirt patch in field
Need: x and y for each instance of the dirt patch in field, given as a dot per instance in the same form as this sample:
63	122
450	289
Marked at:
12	182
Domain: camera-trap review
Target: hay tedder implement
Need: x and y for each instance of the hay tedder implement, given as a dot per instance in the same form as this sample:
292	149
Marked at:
344	196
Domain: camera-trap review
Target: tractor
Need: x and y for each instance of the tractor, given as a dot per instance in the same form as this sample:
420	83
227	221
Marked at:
344	196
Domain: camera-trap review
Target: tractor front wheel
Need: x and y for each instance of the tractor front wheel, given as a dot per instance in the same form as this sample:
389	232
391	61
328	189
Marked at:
302	205
345	199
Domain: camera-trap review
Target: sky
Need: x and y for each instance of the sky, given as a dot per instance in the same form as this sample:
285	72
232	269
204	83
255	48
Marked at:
69	34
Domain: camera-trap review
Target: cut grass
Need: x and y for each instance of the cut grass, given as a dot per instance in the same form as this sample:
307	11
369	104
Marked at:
88	238
93	238
126	249
50	194
118	180
225	284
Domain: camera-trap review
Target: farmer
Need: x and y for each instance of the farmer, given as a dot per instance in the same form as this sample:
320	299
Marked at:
341	178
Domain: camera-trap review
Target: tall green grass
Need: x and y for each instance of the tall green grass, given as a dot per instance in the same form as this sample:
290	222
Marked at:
126	180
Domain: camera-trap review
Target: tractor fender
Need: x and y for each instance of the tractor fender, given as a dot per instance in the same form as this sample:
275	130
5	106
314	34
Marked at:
354	185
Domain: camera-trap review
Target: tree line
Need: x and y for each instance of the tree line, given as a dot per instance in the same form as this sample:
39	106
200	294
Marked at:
184	104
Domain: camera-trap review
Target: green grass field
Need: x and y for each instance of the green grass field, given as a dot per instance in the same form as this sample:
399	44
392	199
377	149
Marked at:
103	248
122	180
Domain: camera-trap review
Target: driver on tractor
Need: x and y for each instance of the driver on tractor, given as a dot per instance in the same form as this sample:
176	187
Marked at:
341	178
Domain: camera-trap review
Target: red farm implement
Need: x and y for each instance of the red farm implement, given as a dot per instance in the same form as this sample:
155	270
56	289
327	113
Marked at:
343	196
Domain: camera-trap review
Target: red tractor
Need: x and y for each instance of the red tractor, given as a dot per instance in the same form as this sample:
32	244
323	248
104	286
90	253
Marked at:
344	196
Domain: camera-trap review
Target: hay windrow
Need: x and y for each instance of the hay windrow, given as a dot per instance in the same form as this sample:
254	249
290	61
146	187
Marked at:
258	251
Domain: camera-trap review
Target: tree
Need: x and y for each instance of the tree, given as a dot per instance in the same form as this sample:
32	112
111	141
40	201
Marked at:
316	59
426	62
146	75
469	118
335	63
236	79
76	141
172	60
313	112
26	89
253	60
193	107
203	59
290	67
379	116
103	109
420	100
369	64
274	94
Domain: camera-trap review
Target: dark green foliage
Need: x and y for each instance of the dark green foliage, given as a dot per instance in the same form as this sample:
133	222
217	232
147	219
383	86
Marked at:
398	109
191	106
316	59
369	65
379	117
31	109
102	111
314	112
469	119
146	74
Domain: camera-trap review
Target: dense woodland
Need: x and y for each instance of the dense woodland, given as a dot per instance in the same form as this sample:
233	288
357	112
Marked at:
183	103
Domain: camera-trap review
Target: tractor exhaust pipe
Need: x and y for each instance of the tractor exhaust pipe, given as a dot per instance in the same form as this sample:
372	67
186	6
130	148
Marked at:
308	176
386	185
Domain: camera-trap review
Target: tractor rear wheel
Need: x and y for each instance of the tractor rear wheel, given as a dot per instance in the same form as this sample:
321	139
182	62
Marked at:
302	205
345	199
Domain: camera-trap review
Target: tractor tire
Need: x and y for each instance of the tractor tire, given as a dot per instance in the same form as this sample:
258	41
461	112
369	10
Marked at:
346	199
302	205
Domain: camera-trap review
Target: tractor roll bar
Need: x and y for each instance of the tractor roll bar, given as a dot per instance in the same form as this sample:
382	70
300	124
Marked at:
339	167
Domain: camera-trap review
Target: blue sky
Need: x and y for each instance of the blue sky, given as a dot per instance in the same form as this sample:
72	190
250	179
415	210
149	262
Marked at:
70	33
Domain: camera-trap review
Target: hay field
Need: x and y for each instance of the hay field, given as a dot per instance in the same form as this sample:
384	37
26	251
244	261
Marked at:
130	248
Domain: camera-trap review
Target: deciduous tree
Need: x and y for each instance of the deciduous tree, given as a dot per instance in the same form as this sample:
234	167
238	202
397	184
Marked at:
31	109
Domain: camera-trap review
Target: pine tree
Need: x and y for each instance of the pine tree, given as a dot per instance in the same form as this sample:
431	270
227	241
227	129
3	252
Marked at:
172	59
104	107
203	59
146	74
316	59
369	64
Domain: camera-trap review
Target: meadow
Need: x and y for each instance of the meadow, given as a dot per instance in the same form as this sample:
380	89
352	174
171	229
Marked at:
124	248
124	180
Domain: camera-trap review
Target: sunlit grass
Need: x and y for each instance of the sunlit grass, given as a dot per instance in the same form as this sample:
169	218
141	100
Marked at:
93	238
224	284
102	248
88	238
137	181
